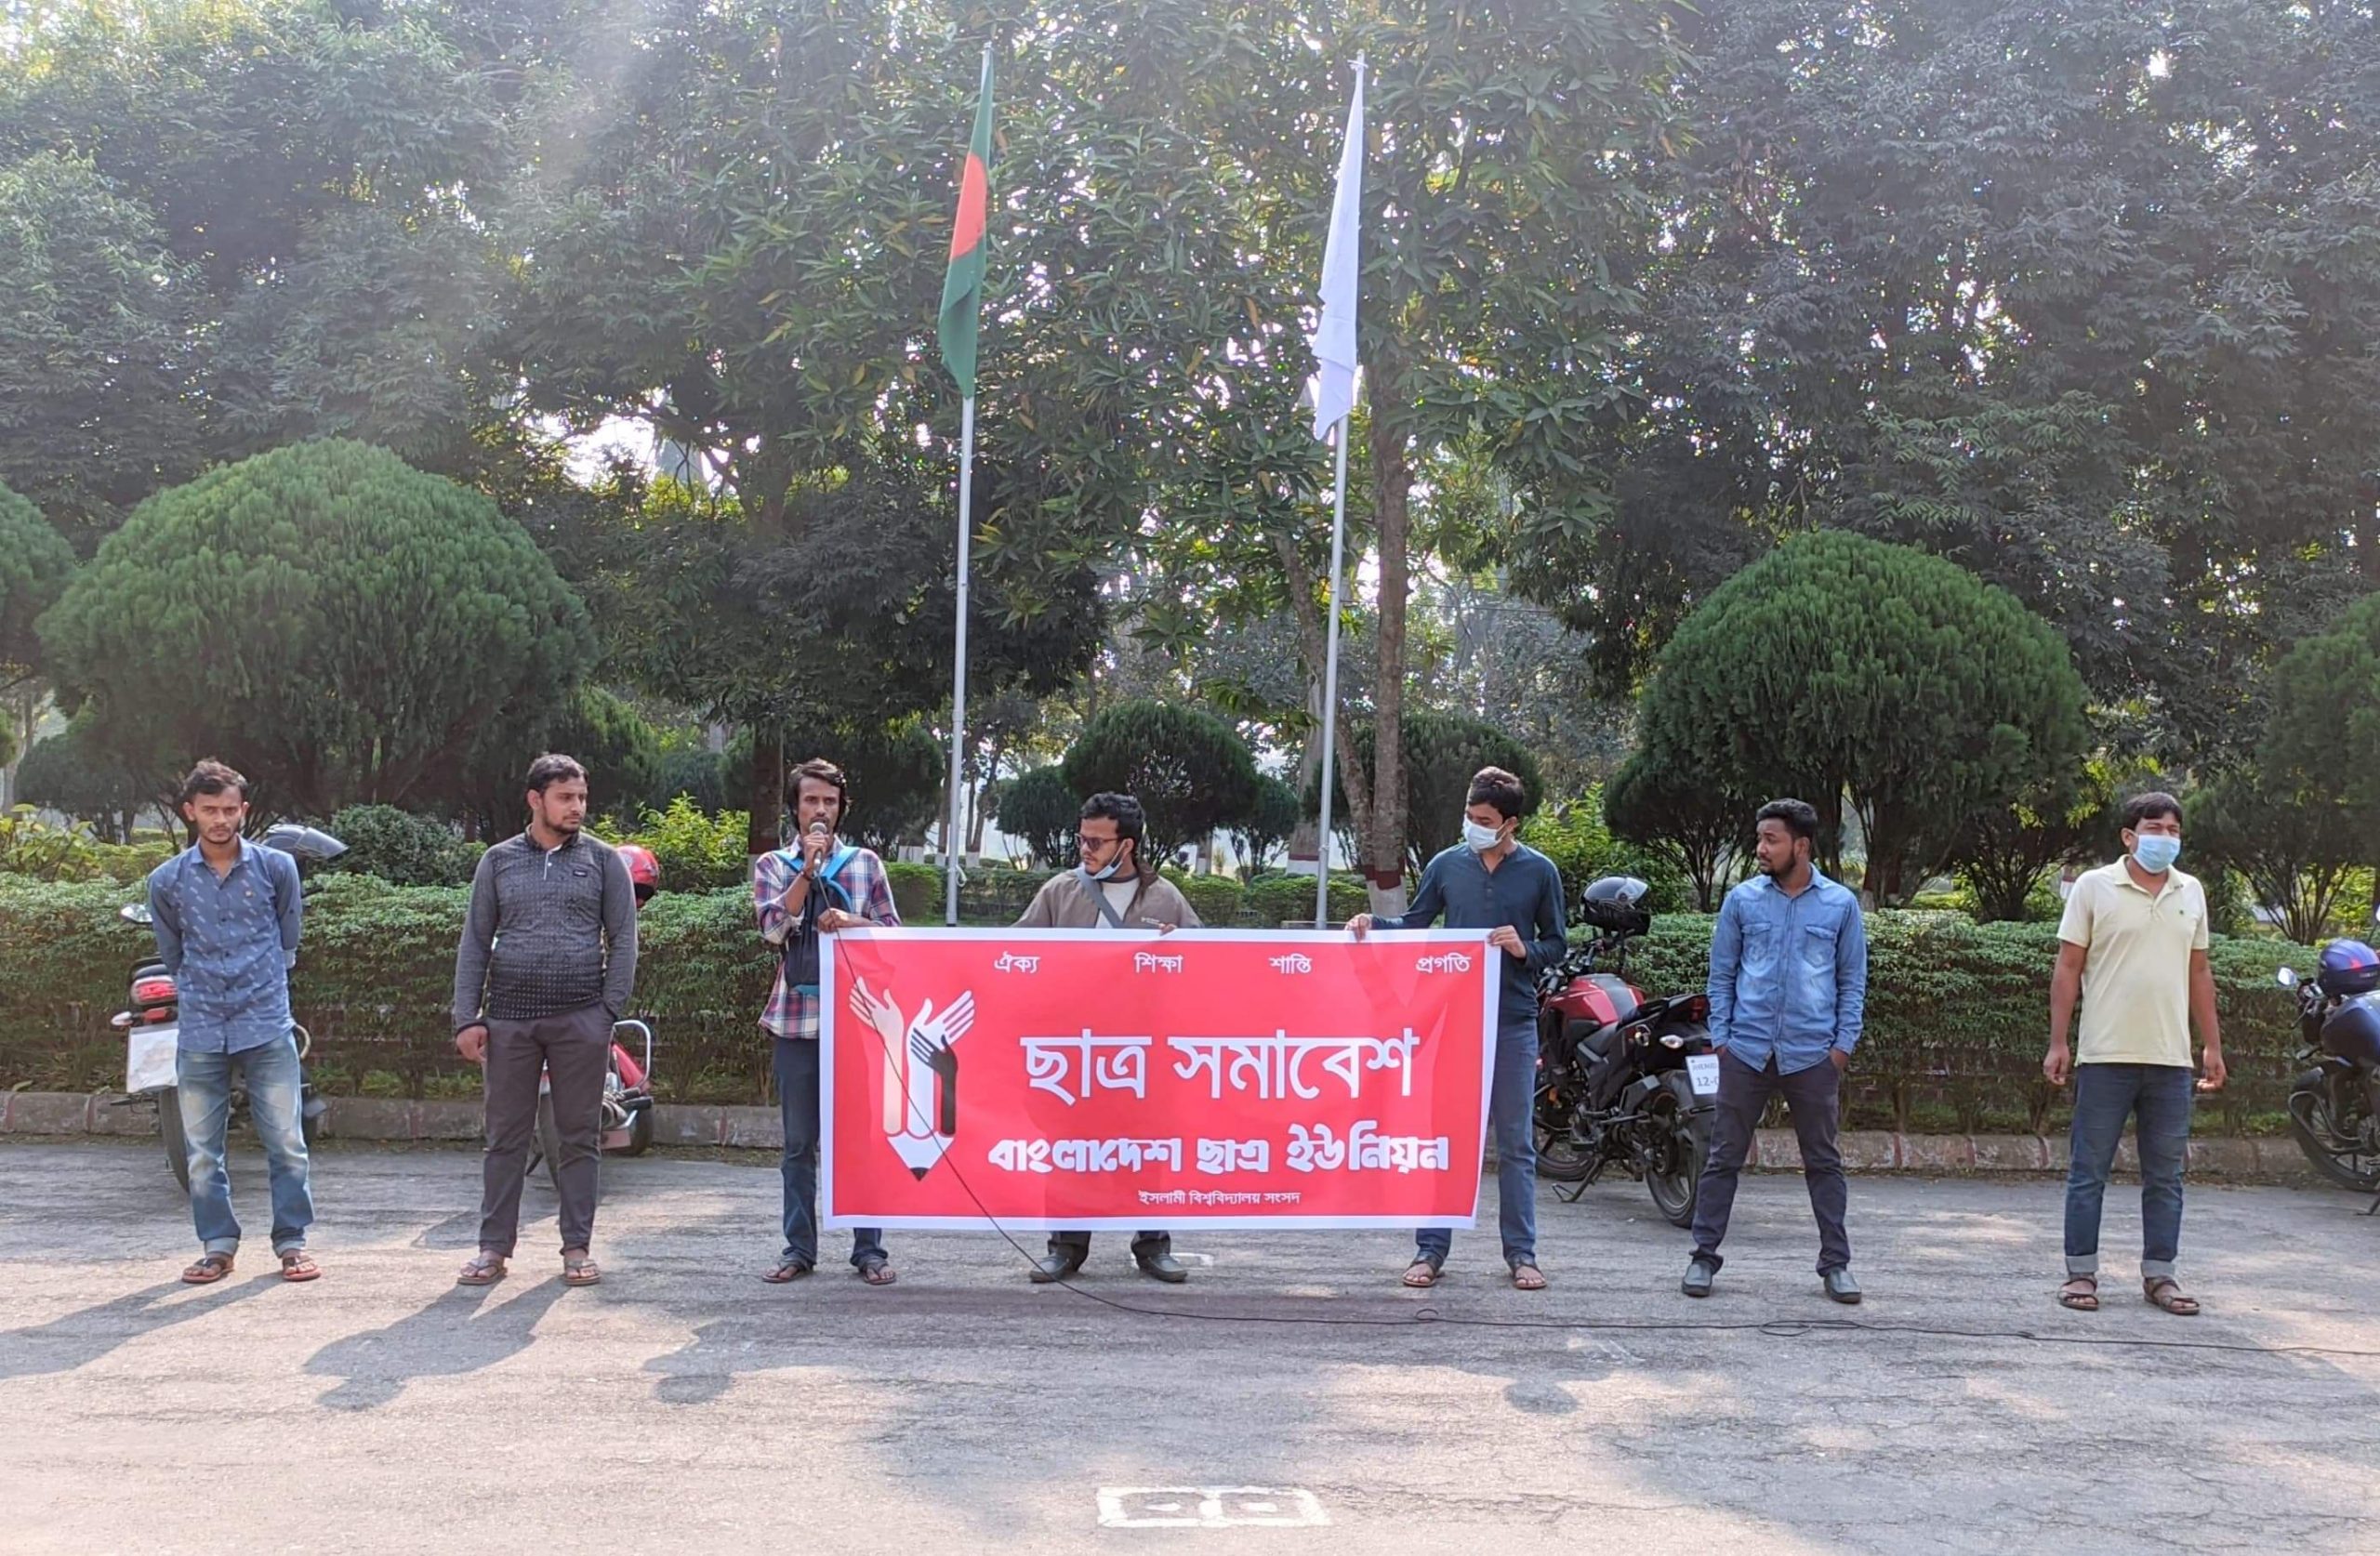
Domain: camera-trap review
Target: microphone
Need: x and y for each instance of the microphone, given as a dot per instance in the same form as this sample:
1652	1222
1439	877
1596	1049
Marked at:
817	830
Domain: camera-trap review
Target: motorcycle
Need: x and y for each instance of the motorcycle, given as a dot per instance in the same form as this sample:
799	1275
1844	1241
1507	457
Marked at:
1623	1079
153	1033
2334	1103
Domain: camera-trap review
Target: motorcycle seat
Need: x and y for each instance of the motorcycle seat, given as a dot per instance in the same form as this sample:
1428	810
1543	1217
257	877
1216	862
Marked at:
1599	1042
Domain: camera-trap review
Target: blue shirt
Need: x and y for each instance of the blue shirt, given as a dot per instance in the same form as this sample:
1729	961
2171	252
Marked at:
1789	975
1523	893
229	941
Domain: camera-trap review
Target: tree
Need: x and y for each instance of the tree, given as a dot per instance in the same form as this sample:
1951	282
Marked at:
2295	852
401	847
258	222
341	627
1683	816
76	773
36	563
98	352
2321	736
1041	809
2006	849
1269	822
1845	670
1443	753
2064	293
1191	773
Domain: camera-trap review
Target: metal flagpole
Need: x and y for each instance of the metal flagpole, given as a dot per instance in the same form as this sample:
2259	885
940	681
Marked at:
1330	680
952	829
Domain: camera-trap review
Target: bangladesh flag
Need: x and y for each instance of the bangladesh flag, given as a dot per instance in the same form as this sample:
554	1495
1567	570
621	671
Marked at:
963	289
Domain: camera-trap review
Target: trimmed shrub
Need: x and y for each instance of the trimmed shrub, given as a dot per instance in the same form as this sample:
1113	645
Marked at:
1955	1010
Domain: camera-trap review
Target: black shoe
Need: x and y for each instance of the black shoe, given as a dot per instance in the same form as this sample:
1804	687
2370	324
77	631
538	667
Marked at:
1055	1267
1699	1276
1162	1266
1841	1286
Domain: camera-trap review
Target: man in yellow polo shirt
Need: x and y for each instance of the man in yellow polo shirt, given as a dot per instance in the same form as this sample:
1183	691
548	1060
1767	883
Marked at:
2134	949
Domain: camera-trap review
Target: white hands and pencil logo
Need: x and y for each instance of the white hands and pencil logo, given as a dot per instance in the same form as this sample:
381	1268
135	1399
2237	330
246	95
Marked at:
920	1072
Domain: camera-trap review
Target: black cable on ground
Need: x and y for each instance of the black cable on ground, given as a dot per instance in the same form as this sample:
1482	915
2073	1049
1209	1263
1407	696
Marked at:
1425	1315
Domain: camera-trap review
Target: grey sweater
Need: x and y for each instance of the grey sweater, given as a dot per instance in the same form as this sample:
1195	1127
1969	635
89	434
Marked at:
535	941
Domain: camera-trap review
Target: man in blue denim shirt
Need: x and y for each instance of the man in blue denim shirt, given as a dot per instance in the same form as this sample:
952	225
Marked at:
1789	987
225	913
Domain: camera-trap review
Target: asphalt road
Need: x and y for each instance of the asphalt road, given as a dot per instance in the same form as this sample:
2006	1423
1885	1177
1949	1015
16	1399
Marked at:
682	1405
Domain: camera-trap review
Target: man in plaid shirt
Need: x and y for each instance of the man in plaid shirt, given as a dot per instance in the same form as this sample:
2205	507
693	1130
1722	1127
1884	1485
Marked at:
818	886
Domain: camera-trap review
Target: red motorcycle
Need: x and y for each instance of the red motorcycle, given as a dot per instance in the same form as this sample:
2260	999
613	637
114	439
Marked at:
1622	1078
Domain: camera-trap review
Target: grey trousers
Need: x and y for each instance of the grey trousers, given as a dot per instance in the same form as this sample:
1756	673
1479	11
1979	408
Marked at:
574	1050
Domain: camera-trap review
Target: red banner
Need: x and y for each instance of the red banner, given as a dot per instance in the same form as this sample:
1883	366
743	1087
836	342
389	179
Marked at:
1042	1080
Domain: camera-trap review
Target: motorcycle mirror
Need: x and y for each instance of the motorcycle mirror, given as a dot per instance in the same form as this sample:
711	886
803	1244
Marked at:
302	842
133	913
2286	978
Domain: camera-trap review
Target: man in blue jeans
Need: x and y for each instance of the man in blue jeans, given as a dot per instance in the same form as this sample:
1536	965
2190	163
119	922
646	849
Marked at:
815	888
1789	991
1493	881
225	913
2133	950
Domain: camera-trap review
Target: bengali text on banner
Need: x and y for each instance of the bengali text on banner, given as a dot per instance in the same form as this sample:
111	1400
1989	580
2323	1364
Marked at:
1042	1080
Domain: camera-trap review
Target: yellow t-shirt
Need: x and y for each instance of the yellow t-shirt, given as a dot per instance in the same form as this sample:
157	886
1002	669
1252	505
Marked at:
2137	979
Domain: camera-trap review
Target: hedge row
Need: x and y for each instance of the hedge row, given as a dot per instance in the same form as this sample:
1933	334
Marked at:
1956	1010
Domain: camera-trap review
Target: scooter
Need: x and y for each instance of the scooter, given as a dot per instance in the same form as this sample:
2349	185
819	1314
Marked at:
153	1029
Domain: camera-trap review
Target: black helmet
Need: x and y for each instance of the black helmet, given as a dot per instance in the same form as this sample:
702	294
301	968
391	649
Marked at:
1616	905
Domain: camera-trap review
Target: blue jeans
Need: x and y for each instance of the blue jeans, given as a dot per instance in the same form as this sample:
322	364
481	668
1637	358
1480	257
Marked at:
797	1065
1511	1099
2157	1098
276	1105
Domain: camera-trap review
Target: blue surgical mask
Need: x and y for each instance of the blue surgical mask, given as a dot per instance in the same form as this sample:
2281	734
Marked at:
1106	871
1481	838
2155	852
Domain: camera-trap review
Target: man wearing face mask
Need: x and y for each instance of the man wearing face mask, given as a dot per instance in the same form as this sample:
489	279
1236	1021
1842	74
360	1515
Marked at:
2134	950
1111	889
1493	881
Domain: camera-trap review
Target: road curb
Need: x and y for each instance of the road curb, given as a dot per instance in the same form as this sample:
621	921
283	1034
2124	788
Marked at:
704	1125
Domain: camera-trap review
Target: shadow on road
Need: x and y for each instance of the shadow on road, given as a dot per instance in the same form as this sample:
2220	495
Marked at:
462	1332
77	1339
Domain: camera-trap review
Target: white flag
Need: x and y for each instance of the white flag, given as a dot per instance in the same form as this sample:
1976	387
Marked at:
1334	338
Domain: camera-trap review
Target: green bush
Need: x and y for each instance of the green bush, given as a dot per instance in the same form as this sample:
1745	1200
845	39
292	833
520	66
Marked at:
1956	1010
1215	899
30	846
698	850
401	847
1271	900
1576	836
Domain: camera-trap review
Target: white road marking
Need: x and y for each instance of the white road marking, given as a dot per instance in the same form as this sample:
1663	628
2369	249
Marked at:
1209	1507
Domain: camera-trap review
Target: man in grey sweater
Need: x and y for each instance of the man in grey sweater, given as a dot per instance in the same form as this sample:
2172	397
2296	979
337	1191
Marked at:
1111	889
546	964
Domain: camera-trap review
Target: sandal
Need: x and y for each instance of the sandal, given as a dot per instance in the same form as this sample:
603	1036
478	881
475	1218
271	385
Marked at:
2080	1293
787	1270
2163	1291
486	1269
1421	1273
1527	1277
581	1271
296	1265
878	1272
209	1269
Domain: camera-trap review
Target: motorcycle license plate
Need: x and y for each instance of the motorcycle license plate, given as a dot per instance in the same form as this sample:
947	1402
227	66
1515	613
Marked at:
1702	1073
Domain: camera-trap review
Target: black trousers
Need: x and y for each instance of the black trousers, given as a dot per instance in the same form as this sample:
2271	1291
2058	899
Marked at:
574	1050
1814	1101
1077	1245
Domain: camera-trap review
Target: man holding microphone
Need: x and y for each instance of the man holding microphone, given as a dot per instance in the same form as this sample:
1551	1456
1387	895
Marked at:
816	888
